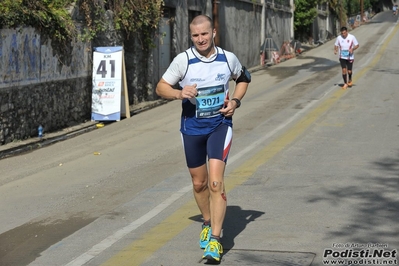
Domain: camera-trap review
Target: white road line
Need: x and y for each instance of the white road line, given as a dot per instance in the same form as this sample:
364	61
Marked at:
109	241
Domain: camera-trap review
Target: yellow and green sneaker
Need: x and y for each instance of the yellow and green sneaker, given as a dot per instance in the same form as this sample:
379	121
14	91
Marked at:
213	250
205	236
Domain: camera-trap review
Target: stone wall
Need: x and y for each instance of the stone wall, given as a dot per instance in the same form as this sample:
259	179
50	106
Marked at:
52	104
43	84
39	86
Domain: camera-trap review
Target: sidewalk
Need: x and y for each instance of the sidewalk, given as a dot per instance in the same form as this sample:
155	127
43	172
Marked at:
28	145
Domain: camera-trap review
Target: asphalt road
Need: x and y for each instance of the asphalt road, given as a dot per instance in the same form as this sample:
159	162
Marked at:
313	173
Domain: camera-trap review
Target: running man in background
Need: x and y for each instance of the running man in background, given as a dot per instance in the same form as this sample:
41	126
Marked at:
395	10
203	73
345	45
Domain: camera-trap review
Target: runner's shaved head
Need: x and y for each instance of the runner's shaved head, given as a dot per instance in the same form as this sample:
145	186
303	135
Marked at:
201	19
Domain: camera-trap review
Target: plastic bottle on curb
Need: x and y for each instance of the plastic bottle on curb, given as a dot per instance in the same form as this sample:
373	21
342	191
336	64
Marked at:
40	131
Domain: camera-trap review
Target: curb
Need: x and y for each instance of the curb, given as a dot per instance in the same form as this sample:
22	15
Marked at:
37	144
25	148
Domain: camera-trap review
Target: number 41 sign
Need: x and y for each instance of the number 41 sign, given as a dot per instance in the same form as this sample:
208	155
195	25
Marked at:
109	95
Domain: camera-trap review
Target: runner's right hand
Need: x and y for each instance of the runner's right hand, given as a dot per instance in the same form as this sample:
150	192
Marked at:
189	91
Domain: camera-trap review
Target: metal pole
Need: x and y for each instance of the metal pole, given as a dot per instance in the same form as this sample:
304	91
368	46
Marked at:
262	25
361	11
215	14
340	14
262	33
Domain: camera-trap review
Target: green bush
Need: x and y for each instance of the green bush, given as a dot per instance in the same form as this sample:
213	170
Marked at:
51	17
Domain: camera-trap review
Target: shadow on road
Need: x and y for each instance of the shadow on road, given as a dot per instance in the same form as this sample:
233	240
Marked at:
375	219
236	220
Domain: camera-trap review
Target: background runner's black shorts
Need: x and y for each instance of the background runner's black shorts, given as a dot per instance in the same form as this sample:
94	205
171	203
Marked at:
345	63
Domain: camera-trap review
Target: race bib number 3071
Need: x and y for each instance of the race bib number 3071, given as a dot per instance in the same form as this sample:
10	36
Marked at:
209	101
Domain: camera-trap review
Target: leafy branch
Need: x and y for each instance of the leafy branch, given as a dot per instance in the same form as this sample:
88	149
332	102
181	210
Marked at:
49	16
52	18
130	17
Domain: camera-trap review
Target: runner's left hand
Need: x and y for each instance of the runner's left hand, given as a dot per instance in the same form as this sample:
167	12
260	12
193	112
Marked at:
228	109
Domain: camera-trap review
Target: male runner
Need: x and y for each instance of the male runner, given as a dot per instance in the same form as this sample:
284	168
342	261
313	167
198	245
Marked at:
345	44
203	73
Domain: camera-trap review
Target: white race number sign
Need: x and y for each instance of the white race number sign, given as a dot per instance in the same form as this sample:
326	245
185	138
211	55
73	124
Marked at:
107	83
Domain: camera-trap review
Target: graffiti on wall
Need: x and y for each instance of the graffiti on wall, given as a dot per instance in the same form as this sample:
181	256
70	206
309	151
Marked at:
24	59
20	57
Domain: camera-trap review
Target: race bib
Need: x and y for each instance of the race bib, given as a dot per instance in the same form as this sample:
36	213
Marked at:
344	53
209	101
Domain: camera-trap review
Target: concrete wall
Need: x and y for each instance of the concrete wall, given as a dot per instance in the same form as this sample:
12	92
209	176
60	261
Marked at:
25	58
278	26
324	26
239	30
240	25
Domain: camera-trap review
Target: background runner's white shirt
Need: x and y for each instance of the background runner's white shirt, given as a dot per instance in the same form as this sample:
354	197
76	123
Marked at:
178	67
344	45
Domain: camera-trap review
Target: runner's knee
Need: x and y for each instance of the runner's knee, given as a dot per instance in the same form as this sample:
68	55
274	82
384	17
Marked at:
199	186
216	186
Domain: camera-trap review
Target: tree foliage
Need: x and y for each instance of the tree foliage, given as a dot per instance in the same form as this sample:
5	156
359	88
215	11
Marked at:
304	15
353	7
306	11
343	9
52	17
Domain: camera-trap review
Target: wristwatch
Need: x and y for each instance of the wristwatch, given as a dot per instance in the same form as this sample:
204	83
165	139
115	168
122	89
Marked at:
238	102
